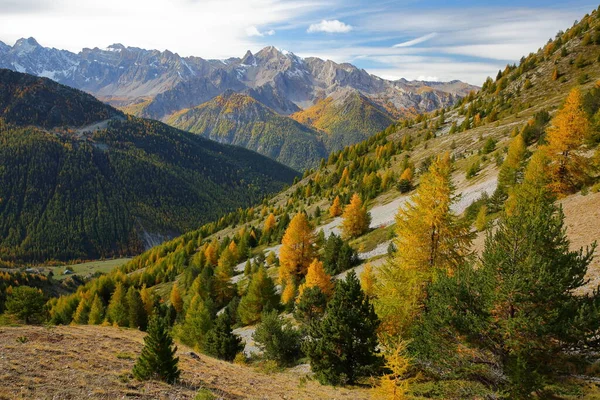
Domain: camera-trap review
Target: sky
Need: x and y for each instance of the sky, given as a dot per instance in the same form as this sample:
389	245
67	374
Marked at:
412	39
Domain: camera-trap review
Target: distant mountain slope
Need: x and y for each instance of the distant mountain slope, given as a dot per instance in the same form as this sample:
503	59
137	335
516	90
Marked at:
155	84
347	118
241	120
28	100
115	190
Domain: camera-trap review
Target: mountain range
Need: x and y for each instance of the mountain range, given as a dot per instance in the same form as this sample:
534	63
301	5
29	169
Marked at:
321	95
80	179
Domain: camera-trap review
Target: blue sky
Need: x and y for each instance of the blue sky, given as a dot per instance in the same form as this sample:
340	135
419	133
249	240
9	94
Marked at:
434	40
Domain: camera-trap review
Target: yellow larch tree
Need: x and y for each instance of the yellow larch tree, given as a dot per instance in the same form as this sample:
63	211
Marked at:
568	166
336	207
316	276
430	240
297	249
176	299
269	223
368	280
289	293
345	179
407	174
212	253
356	219
394	384
148	300
233	249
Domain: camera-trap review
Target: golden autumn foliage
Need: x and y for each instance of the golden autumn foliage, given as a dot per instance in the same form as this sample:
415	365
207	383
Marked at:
394	385
568	166
336	207
356	219
289	293
368	280
176	299
345	179
297	250
147	299
212	253
430	239
233	249
316	276
269	223
407	175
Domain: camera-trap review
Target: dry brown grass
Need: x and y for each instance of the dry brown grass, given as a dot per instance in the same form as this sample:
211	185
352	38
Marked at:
76	362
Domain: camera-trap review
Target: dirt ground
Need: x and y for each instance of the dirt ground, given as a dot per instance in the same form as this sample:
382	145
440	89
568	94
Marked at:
93	362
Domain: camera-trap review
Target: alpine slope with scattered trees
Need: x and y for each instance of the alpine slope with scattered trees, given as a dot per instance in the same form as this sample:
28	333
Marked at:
478	292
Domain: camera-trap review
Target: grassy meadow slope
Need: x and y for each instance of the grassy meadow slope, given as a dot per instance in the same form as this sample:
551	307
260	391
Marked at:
75	362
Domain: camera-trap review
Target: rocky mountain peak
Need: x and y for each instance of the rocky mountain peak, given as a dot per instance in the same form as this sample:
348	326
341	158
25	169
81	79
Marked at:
116	47
25	46
249	59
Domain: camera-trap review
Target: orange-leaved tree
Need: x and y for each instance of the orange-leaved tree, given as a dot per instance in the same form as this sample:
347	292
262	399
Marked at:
316	276
336	207
297	249
568	166
356	219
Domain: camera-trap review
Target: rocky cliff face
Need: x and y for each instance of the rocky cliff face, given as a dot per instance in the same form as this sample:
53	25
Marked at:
280	80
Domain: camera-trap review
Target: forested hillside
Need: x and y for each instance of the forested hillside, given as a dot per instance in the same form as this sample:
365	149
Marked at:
241	120
115	189
347	118
449	256
28	100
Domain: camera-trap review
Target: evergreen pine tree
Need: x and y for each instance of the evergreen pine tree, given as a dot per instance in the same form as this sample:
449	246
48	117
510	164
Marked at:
342	346
534	312
220	341
137	313
311	305
196	324
260	296
157	360
277	338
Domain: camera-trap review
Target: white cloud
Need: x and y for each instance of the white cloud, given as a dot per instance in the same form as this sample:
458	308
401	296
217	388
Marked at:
417	40
253	31
206	28
330	26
